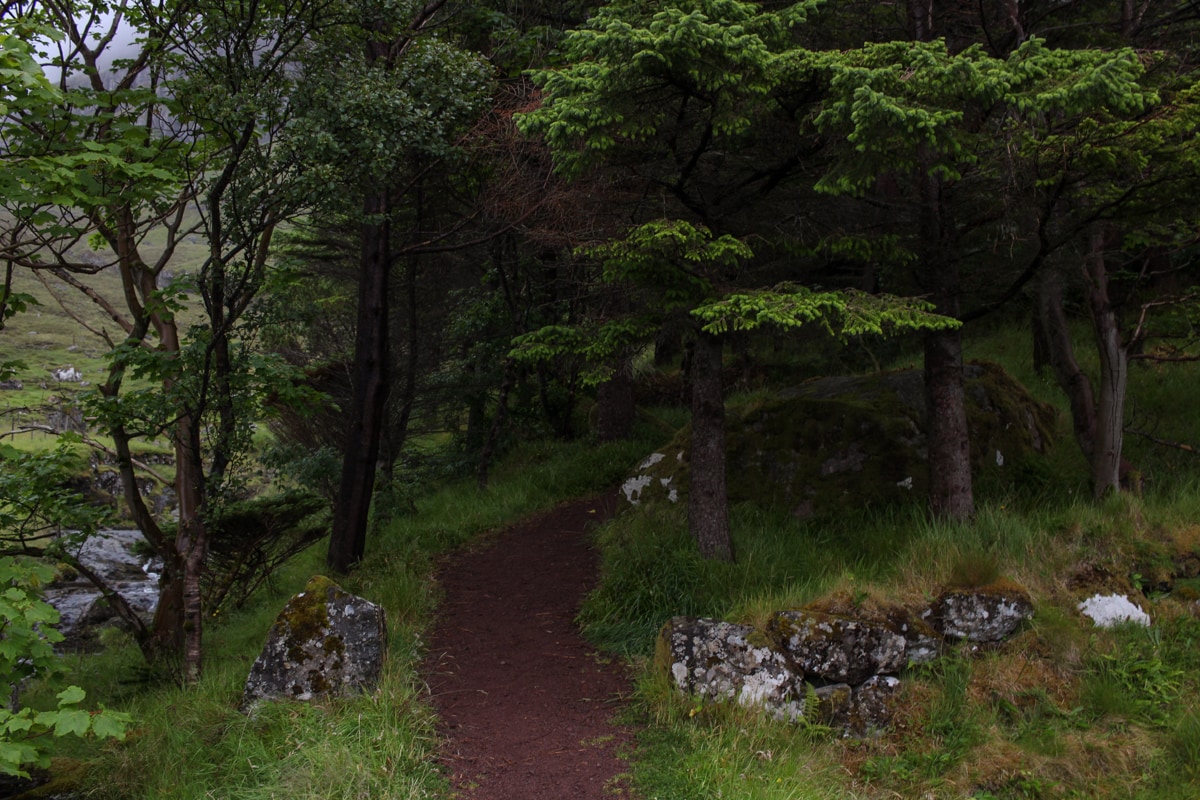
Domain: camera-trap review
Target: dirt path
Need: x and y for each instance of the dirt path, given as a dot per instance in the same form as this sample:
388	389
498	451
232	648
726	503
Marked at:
525	704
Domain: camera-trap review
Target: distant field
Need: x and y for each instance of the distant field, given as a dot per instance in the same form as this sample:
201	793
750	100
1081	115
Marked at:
55	334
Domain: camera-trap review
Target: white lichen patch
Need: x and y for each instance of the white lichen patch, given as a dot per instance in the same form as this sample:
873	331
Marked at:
651	460
632	488
1112	609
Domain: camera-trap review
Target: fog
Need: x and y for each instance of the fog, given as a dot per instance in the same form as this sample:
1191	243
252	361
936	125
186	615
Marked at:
123	46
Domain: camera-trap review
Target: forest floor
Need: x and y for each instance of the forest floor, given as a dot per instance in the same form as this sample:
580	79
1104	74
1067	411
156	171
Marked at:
526	706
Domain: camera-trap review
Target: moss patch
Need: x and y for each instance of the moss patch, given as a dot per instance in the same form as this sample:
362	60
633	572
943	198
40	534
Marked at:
848	442
306	618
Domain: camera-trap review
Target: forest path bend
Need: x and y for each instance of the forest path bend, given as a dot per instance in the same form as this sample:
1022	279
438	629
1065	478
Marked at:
526	705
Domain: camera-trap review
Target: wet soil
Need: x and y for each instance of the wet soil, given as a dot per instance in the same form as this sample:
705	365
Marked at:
526	706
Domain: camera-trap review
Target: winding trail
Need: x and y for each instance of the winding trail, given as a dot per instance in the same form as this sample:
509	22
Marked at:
525	704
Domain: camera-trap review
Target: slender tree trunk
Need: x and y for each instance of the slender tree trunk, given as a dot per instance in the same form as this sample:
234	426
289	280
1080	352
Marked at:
347	541
708	499
1114	376
488	451
190	544
1061	356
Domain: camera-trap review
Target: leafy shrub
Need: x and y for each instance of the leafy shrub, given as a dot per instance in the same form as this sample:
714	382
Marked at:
27	638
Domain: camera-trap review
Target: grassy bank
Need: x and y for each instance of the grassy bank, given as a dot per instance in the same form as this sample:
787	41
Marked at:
1063	710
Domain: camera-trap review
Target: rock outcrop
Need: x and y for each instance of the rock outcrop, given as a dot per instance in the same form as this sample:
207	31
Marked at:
834	669
324	642
985	614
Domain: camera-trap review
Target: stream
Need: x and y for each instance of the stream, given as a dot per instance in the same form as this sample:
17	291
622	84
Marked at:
112	555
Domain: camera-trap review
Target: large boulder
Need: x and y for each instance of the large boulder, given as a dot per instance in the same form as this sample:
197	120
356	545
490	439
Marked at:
842	441
326	641
722	661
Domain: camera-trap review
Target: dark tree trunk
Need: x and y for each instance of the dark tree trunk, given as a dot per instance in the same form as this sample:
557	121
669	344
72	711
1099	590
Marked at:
488	451
615	405
1060	354
708	500
191	544
951	493
950	490
347	541
667	347
1114	376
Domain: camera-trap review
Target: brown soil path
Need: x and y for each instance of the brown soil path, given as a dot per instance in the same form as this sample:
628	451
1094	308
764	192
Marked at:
526	705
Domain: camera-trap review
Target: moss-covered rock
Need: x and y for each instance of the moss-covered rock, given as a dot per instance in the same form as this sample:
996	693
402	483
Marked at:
845	442
325	641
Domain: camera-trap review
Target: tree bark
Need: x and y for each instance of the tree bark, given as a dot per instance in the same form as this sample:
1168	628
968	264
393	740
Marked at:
1114	375
1061	355
708	499
951	493
347	541
191	544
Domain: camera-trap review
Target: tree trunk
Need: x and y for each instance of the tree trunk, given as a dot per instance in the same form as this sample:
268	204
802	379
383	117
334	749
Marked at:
950	490
1114	376
488	451
347	541
616	406
951	493
1061	356
190	544
708	500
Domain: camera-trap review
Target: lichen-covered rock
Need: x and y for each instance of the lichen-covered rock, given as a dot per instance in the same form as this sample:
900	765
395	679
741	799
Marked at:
835	648
983	614
924	645
860	711
643	485
324	642
719	661
872	705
